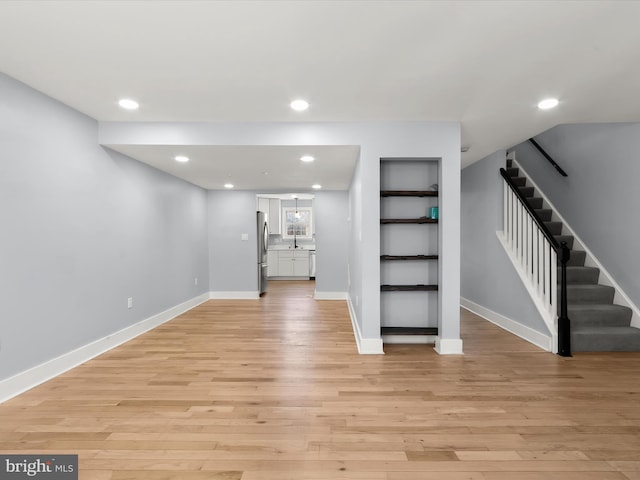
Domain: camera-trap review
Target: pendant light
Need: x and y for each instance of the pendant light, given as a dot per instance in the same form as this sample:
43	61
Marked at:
297	214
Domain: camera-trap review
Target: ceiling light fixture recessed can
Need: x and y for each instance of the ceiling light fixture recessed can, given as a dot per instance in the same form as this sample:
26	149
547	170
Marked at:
548	103
299	105
307	158
128	104
316	186
228	185
181	158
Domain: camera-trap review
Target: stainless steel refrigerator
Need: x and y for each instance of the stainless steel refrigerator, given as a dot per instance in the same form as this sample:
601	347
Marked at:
263	239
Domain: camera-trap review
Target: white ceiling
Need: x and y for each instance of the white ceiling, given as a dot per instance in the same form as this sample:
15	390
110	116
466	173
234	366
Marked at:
485	64
258	167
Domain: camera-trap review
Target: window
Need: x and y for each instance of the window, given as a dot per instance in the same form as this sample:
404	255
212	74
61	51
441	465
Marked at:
296	224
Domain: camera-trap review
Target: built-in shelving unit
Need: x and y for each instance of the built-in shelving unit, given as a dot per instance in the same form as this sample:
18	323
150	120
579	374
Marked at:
408	220
420	287
409	331
408	193
408	257
409	248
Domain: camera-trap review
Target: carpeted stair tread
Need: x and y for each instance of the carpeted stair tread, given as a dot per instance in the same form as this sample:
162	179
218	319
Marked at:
535	202
565	238
581	275
605	339
545	214
589	294
577	258
513	171
527	191
519	181
554	227
599	315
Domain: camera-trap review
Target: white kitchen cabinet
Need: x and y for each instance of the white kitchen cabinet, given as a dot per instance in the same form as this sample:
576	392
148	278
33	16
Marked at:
275	224
271	208
272	263
293	263
285	264
301	263
263	206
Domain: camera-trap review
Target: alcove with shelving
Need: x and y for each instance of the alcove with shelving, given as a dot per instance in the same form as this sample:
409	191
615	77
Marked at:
408	249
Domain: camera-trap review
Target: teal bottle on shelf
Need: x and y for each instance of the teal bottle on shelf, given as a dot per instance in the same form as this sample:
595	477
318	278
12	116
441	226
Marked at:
433	213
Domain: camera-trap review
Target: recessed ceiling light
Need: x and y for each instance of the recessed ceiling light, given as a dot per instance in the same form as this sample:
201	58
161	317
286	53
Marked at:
228	185
181	158
316	186
299	105
128	104
307	158
548	103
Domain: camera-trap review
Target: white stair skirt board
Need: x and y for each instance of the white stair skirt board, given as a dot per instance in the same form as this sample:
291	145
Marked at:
366	346
540	305
234	295
538	339
33	377
448	346
406	339
330	295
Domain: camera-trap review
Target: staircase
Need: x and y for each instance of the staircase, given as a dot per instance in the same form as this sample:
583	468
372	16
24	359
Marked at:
597	324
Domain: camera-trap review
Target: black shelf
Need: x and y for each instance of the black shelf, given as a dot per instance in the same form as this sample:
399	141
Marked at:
409	193
408	257
409	330
408	220
408	288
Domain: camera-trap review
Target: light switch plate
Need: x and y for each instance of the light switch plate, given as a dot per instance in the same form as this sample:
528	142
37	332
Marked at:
244	236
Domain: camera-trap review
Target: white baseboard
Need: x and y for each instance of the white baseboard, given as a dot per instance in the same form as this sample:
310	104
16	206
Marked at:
33	377
366	346
234	295
418	339
330	295
448	346
526	333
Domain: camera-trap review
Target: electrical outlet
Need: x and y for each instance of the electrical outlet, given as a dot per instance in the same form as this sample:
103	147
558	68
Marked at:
195	281
130	302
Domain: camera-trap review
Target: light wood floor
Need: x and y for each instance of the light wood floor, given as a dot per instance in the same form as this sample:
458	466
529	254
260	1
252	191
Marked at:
275	390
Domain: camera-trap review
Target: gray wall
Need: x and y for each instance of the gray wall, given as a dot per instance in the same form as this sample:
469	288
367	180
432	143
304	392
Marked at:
488	277
599	198
233	263
354	266
331	210
82	229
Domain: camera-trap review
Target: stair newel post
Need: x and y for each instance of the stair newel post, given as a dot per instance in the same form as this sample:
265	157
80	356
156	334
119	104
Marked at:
564	325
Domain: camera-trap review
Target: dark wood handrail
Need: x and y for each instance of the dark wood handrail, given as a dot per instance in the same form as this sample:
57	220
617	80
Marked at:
564	254
548	157
543	228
